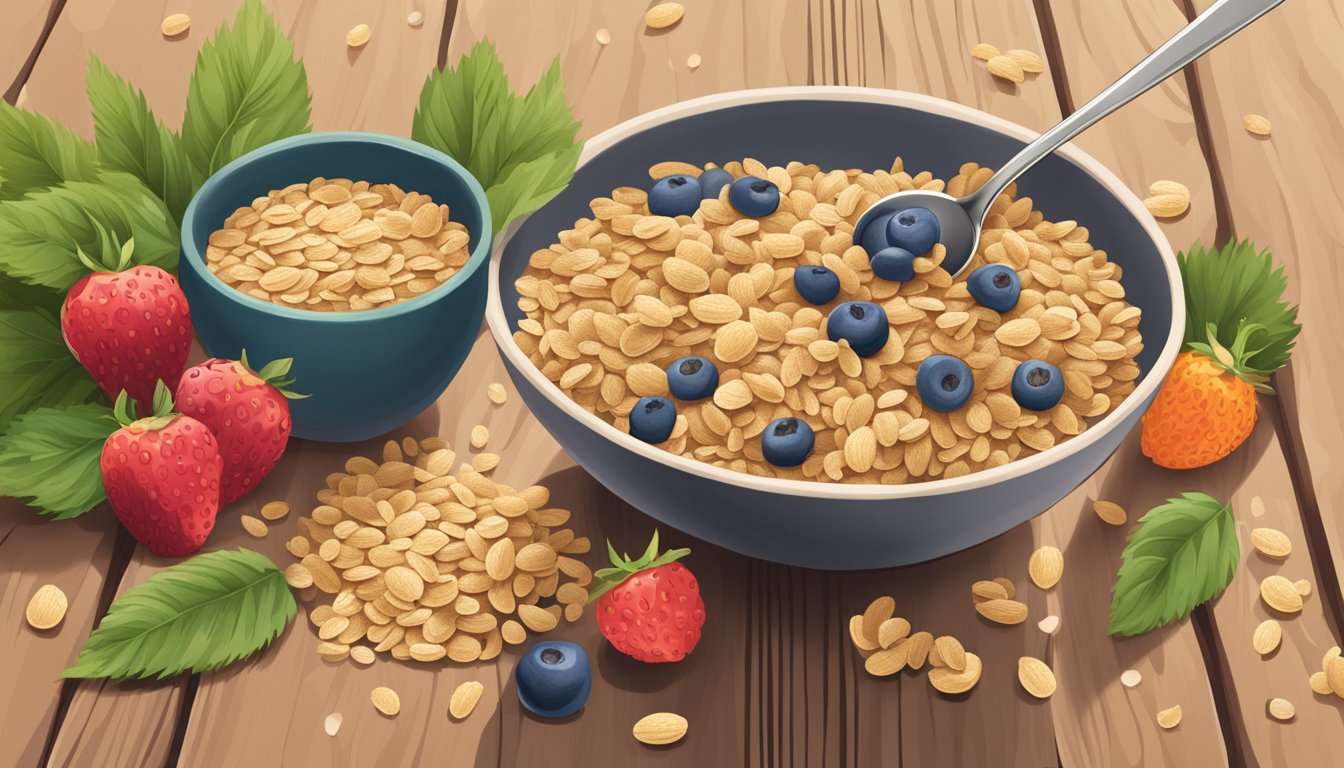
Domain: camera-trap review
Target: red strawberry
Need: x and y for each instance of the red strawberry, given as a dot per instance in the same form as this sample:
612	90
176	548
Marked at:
129	328
247	410
161	474
649	609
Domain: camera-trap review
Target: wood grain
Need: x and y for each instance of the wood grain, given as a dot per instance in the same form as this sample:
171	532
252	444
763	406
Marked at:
73	555
1285	193
22	33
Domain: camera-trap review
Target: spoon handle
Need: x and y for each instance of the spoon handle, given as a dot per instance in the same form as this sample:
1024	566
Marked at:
1222	20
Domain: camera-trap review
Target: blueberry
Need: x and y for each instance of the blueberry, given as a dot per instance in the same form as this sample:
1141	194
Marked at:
677	195
787	442
894	264
944	382
713	181
652	419
692	378
818	285
754	197
862	323
874	236
995	286
1037	385
554	679
914	229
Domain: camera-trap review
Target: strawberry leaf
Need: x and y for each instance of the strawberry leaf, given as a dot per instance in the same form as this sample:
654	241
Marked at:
50	457
37	152
1233	286
1183	554
201	614
36	368
605	579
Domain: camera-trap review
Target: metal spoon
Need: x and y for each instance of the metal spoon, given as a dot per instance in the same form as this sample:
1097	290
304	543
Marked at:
962	218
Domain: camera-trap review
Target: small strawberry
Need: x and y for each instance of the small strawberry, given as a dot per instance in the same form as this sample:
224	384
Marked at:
1207	406
128	327
161	474
649	609
247	410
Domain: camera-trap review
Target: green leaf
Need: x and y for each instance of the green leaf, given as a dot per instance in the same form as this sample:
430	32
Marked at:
522	149
1235	285
37	152
247	91
1182	555
200	614
36	368
50	457
607	579
130	139
40	237
18	295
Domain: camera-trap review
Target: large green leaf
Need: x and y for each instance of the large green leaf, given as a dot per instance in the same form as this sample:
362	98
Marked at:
130	139
49	456
36	368
531	185
1183	554
1235	285
37	152
247	91
40	236
198	615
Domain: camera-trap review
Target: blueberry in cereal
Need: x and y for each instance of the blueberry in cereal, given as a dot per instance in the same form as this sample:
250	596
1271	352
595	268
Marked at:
1037	385
944	383
676	195
861	323
713	181
914	229
787	442
754	197
895	264
995	286
692	378
818	285
652	419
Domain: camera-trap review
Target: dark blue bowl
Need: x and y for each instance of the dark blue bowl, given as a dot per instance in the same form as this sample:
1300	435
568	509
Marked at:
827	525
365	372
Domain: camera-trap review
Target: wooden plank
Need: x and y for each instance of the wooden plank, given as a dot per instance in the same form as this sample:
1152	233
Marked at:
1285	193
22	34
373	88
73	555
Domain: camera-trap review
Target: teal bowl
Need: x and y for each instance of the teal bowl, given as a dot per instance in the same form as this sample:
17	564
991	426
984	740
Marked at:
365	372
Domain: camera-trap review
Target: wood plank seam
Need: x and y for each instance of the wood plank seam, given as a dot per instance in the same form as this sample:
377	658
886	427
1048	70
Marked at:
12	94
1222	205
180	724
449	16
1235	737
1054	54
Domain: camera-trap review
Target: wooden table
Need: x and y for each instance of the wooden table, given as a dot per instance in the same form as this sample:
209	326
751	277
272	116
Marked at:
775	680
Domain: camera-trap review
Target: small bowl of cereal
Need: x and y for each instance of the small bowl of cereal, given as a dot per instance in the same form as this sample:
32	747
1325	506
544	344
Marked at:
357	254
695	324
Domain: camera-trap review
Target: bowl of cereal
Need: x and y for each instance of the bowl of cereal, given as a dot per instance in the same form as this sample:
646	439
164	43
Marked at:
693	322
359	255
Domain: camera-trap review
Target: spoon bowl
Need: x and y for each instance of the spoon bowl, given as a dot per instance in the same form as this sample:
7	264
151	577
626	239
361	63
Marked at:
960	233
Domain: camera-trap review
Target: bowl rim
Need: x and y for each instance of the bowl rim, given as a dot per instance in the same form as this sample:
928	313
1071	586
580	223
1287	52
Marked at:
499	325
196	262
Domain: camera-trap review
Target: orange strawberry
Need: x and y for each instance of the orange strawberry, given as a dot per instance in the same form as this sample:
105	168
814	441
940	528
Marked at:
1207	405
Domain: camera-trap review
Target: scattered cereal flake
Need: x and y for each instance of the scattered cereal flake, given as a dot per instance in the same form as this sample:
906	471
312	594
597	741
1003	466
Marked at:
254	526
497	393
1029	61
1170	717
415	18
951	681
1167	198
385	700
1280	594
332	724
693	61
1130	678
1302	587
1046	566
1257	506
663	15
362	654
1256	124
464	699
175	24
1267	636
603	36
1110	512
1036	677
1281	709
358	36
1320	683
660	728
480	435
1271	542
1049	625
984	51
1005	68
275	510
47	607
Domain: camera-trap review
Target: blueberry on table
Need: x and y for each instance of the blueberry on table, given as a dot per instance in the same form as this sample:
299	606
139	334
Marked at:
995	286
787	442
894	264
862	323
874	237
754	197
818	285
677	195
944	382
1037	385
692	378
554	679
914	229
652	419
713	181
